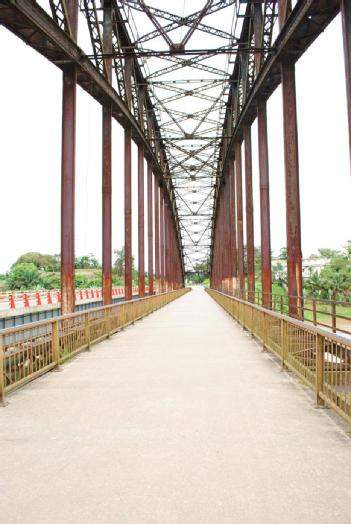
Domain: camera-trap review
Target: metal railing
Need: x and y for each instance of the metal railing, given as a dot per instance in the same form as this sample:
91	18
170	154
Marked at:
31	350
332	314
320	358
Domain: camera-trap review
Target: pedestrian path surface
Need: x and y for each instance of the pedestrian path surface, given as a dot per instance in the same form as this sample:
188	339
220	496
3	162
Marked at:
178	419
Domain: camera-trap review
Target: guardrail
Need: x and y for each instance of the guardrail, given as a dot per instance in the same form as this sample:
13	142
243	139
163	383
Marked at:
333	314
320	358
31	350
11	300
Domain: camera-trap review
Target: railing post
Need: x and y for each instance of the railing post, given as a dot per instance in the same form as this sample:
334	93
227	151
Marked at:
87	330
333	308
314	311
55	343
3	402
107	322
264	337
284	344
319	369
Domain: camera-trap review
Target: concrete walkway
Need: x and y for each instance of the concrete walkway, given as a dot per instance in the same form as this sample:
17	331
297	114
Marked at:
178	419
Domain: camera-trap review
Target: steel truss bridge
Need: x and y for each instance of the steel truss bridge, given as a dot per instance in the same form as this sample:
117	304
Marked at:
186	87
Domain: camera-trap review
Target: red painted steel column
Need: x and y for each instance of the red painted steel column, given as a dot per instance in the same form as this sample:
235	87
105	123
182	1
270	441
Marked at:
141	225
162	240
266	270
106	168
292	191
250	245
239	214
166	244
233	242
157	235
346	29
150	233
68	174
128	213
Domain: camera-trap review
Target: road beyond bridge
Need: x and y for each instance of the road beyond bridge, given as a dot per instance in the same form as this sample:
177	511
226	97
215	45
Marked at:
178	419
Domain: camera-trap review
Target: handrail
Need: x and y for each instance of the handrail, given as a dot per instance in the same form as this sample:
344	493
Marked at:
30	350
280	303
320	358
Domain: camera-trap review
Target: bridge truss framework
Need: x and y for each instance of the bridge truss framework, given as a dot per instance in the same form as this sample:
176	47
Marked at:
142	65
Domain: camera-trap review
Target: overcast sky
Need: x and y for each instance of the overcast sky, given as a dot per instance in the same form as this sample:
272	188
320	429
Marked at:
30	94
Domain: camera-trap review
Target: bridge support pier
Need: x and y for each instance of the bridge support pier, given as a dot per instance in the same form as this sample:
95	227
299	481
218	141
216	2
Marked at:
346	28
68	174
141	225
239	220
162	240
232	233
106	167
250	246
266	268
150	234
292	192
157	235
128	213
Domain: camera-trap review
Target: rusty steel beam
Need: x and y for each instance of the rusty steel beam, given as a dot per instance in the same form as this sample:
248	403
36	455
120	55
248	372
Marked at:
128	284
266	267
292	191
150	233
68	174
106	167
346	29
233	235
239	217
250	245
162	240
141	225
157	236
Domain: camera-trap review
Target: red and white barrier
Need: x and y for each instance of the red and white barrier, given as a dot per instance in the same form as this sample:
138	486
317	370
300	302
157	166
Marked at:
13	300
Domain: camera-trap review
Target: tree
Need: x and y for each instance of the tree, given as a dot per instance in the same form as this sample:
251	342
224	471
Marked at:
23	276
86	262
326	252
41	261
283	254
120	263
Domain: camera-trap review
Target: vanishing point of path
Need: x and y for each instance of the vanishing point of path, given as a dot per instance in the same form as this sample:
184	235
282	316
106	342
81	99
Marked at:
178	419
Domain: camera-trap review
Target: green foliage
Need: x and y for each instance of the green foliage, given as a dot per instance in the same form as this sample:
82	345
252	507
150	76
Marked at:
326	252
86	262
200	273
51	280
23	276
43	262
334	279
119	265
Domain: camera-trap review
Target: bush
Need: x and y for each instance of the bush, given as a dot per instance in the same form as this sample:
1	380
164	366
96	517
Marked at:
23	276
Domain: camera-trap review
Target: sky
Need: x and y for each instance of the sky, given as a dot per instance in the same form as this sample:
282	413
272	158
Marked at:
30	156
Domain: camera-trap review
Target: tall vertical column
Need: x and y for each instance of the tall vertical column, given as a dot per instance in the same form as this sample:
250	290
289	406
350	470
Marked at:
250	245
106	165
346	29
141	225
68	173
162	240
233	241
266	270
150	234
128	213
157	236
166	245
292	191
239	215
